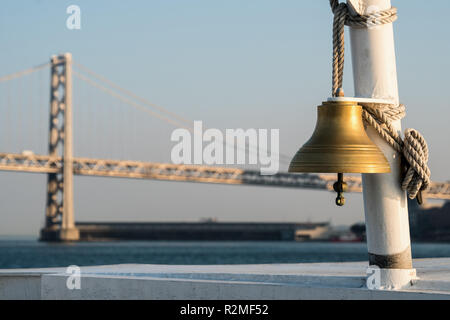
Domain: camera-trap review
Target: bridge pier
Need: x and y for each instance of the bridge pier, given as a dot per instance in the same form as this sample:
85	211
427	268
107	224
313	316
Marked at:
60	222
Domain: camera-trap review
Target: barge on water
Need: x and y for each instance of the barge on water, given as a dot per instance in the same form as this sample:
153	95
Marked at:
206	230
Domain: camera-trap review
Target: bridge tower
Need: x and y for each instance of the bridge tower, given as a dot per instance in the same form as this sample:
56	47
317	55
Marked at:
60	222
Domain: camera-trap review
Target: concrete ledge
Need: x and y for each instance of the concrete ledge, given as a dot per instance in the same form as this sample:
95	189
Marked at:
241	282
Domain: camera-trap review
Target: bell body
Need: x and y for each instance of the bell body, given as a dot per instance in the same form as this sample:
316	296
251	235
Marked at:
339	143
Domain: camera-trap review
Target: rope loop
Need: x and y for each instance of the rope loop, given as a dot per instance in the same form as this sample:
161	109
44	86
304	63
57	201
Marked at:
415	151
380	116
363	20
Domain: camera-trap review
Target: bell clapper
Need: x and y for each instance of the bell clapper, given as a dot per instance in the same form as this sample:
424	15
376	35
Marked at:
340	187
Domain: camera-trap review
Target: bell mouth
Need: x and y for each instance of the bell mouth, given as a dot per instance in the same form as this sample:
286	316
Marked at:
339	143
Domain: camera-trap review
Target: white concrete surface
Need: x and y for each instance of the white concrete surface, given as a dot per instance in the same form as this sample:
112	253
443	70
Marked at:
203	282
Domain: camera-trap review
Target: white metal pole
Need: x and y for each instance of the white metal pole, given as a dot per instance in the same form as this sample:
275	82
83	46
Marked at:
68	230
385	204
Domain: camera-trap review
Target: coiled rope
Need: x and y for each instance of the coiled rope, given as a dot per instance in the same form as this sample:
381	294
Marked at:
380	116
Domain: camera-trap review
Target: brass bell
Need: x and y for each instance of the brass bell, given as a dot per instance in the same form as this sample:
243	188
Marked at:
339	144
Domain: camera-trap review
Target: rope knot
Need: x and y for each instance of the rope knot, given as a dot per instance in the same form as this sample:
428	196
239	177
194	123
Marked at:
413	147
415	151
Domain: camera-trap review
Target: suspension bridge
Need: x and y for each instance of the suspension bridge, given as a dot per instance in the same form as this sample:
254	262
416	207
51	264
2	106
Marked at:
25	106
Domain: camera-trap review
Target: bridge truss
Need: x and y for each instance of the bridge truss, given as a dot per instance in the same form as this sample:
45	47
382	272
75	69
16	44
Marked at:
188	173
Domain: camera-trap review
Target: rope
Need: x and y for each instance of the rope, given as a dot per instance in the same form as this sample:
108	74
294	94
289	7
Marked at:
380	116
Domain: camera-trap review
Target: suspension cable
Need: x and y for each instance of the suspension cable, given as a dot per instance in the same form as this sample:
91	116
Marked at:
23	73
186	125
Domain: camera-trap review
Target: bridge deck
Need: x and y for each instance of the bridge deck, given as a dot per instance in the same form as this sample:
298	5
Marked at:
190	173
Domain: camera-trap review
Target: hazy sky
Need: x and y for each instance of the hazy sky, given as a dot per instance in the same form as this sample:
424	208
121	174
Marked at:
231	64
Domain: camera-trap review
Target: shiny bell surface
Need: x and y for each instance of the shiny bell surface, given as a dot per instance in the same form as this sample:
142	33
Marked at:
339	143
